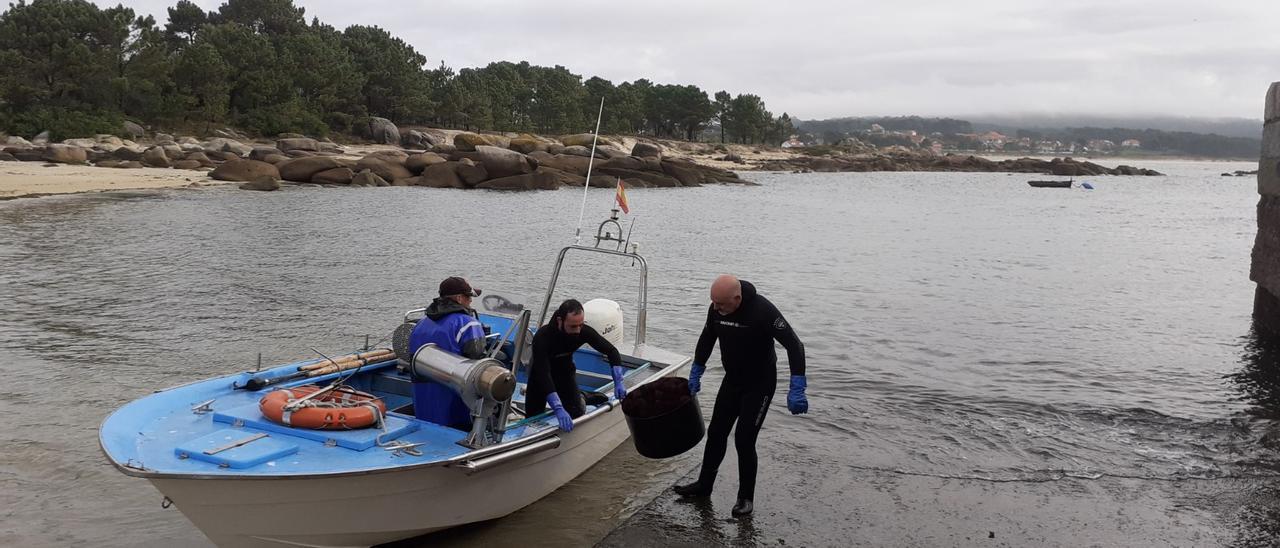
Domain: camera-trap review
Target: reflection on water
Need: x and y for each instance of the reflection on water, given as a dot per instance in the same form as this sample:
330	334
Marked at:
1258	379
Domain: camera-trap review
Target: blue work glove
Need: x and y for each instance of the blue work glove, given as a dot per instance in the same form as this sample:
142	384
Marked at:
619	391
695	378
562	416
796	402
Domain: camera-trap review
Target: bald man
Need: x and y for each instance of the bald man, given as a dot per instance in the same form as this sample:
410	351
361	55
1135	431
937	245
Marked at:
746	324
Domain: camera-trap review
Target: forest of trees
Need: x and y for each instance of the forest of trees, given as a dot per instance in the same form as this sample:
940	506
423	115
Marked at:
75	69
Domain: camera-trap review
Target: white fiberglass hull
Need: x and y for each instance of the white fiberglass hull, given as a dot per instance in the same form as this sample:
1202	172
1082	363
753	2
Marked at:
368	509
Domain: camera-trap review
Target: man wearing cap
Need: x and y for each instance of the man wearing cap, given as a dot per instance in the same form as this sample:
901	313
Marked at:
451	324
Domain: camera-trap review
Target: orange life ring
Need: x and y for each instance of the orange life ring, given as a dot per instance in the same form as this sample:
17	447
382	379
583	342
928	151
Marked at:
354	409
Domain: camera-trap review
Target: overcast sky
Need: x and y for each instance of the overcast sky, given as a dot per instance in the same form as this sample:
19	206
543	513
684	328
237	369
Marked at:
821	59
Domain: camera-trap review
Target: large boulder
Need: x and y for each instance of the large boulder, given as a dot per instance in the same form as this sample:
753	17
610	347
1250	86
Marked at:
300	170
564	162
646	150
368	178
415	139
133	130
275	159
65	154
577	150
173	152
201	158
81	143
471	173
335	176
584	140
625	162
467	142
27	154
222	144
642	178
155	157
187	164
527	142
500	162
525	181
15	141
685	172
41	139
443	175
245	171
610	152
419	162
128	154
260	153
264	184
295	143
378	130
381	167
327	146
565	178
397	157
6	157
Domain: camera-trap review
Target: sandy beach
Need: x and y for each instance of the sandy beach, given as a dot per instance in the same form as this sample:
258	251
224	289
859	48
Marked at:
30	179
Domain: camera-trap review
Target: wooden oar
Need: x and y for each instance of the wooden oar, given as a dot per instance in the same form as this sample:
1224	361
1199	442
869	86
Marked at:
347	362
343	366
343	359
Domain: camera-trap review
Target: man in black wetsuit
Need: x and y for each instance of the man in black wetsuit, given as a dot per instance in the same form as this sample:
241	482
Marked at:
553	379
746	324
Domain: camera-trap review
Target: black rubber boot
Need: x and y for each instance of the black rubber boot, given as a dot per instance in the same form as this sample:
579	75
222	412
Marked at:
742	508
695	489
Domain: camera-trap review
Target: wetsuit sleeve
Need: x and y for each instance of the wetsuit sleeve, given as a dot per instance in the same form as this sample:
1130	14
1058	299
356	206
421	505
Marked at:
785	335
597	341
540	365
706	341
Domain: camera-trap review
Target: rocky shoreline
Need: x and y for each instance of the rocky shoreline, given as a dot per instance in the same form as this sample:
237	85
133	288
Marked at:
429	158
439	158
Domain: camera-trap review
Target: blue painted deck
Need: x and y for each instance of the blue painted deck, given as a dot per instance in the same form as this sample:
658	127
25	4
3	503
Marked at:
160	432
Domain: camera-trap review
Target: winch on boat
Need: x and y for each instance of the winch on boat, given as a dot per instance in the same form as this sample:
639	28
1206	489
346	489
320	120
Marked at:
484	385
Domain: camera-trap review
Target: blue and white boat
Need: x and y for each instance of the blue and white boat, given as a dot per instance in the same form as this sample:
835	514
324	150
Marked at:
244	480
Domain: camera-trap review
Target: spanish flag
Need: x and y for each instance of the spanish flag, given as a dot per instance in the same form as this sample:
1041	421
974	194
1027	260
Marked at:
621	197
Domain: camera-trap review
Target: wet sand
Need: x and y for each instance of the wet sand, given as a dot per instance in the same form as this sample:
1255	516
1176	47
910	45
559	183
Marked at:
32	179
802	501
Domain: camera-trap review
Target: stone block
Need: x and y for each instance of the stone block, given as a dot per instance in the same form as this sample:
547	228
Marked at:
1271	138
1269	177
1272	112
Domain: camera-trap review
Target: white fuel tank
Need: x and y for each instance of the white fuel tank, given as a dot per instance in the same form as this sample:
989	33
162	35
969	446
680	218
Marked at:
605	316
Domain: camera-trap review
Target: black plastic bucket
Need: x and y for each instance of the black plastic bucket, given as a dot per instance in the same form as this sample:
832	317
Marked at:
664	419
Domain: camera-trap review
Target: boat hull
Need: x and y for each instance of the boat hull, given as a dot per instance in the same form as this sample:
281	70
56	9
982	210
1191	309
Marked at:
374	508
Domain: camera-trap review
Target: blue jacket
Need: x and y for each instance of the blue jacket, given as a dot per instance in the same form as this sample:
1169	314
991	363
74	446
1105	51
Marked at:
454	328
451	327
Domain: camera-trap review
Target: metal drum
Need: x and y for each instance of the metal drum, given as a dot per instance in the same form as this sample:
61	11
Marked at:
484	378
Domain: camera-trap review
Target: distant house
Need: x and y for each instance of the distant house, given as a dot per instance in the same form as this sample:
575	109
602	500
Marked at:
1101	145
793	142
1130	143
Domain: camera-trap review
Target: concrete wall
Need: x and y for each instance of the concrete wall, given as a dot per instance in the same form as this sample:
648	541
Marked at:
1265	269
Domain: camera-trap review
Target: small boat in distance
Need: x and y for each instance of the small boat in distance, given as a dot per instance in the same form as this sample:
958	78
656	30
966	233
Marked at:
1051	184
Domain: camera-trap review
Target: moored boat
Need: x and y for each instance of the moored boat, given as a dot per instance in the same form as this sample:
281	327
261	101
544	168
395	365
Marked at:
246	479
1051	184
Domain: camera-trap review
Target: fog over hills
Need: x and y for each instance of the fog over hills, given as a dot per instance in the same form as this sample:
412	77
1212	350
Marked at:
1227	127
